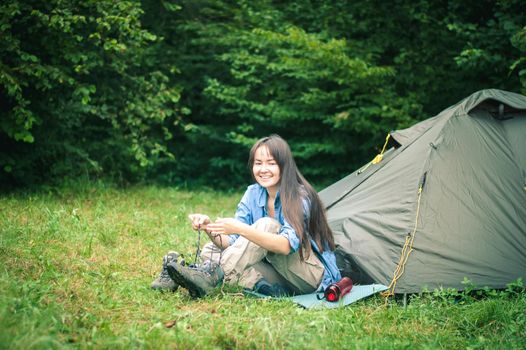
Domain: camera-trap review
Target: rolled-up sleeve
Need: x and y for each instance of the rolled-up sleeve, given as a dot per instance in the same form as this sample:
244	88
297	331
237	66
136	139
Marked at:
288	231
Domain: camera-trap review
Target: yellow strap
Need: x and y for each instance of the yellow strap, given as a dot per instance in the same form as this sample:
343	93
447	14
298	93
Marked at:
378	157
406	250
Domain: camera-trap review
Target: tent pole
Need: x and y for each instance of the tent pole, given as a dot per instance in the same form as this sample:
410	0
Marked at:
405	300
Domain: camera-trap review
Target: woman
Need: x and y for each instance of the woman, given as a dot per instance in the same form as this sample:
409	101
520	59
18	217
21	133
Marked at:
279	241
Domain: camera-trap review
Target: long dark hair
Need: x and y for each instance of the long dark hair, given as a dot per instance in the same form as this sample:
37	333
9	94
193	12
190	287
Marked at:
293	187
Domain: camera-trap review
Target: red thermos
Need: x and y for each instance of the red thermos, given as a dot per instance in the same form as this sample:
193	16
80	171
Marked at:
337	290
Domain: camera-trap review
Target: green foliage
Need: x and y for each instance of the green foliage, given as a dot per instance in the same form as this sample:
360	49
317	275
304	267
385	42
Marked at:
77	262
176	92
441	52
259	74
332	78
491	43
79	92
471	293
519	65
312	90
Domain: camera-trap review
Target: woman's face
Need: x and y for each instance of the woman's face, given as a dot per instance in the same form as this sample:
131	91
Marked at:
265	168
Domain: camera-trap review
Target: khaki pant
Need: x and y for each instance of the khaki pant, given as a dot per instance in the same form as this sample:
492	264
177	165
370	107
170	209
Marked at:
245	263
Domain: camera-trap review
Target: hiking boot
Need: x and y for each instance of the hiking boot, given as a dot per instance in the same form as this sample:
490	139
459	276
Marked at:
273	290
163	282
199	281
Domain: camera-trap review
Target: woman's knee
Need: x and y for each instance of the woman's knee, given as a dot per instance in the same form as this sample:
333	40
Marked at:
267	224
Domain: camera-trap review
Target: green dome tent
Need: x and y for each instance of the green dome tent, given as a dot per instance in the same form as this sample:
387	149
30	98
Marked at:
447	202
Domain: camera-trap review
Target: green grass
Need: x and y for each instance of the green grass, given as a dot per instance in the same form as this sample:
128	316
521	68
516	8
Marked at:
76	265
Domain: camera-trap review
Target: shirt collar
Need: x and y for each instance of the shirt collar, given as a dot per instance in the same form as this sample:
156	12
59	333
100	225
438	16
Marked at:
262	198
263	195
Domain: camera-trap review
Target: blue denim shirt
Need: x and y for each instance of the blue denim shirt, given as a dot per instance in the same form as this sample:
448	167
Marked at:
253	206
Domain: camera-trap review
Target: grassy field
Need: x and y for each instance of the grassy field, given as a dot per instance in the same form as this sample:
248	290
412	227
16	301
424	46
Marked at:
76	265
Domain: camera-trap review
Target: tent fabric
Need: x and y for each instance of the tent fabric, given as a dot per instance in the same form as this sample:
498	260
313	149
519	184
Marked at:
472	210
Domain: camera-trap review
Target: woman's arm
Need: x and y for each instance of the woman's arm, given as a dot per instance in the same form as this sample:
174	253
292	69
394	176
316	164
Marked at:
269	241
201	221
218	239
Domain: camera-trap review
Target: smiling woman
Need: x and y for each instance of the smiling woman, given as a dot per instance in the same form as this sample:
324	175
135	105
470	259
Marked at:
265	170
277	243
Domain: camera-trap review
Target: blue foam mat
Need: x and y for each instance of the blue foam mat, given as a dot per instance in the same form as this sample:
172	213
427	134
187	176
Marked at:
310	301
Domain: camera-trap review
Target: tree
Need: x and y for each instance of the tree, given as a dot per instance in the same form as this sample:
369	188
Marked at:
177	91
79	92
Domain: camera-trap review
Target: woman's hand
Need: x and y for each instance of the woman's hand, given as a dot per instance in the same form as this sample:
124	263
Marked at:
226	226
199	221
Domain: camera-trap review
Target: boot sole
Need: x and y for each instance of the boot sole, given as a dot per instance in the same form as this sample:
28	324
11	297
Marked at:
194	290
